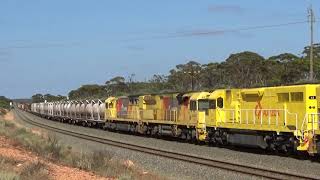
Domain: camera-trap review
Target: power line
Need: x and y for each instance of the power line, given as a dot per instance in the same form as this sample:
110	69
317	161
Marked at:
168	36
219	31
250	28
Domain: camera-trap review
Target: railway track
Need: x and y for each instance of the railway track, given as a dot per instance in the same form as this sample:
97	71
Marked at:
238	168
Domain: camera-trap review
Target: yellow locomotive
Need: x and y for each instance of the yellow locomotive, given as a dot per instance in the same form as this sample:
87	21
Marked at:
281	118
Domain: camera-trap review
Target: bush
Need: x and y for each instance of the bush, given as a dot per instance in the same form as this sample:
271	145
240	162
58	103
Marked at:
4	103
35	171
6	166
2	111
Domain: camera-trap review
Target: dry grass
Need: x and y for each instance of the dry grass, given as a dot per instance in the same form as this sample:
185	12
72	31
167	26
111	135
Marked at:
99	162
2	111
34	170
5	175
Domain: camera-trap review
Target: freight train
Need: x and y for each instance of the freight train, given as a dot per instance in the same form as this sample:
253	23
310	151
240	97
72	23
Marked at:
283	118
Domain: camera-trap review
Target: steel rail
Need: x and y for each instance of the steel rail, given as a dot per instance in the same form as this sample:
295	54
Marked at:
234	167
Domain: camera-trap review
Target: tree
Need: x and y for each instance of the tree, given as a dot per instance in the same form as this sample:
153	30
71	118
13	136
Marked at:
159	83
212	75
184	76
316	58
117	86
37	98
245	69
88	91
316	51
284	69
4	104
284	58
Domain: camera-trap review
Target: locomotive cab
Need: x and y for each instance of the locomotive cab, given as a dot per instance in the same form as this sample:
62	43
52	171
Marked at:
199	111
111	110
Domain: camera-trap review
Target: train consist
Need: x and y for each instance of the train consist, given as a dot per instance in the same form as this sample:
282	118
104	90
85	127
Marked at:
284	118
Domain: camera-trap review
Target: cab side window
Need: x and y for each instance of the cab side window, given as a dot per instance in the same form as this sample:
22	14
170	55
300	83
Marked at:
111	105
193	105
203	104
212	104
220	102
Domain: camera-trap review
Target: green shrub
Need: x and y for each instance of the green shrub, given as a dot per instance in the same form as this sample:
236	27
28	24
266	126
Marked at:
54	148
4	103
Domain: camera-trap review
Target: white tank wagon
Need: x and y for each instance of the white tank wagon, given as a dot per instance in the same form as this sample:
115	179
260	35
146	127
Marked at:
56	110
68	109
95	110
48	108
82	110
86	113
64	109
53	106
41	107
33	108
98	110
60	107
89	110
78	109
38	108
72	109
45	108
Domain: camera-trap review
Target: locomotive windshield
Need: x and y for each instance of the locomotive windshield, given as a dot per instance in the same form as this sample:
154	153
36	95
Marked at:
203	104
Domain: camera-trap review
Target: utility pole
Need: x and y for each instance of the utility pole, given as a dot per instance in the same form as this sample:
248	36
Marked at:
312	21
192	74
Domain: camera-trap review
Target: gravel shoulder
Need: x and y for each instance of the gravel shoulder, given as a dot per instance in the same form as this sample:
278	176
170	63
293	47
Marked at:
178	170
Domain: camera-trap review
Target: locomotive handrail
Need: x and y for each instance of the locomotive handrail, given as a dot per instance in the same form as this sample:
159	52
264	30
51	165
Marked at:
152	114
306	118
257	114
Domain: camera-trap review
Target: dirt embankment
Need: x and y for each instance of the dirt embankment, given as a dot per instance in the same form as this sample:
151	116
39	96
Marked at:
22	159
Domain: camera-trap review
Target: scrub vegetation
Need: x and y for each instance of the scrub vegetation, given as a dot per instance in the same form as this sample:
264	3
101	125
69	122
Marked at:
4	105
35	170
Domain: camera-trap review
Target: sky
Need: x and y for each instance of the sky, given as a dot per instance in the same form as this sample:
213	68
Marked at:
54	46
